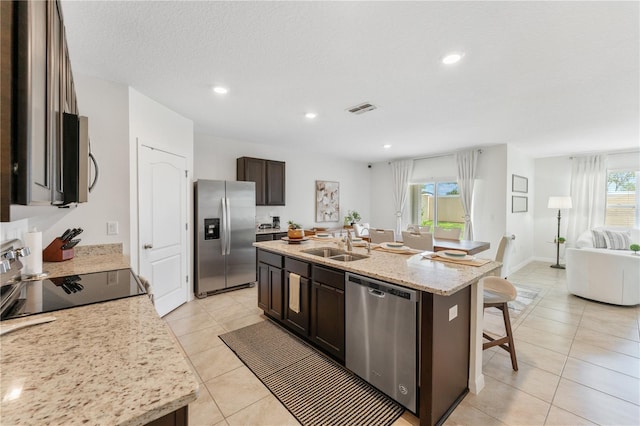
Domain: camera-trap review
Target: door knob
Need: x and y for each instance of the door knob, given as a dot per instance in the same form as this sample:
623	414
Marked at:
147	246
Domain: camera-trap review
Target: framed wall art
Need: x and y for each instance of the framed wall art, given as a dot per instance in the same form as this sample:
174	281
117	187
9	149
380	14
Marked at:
327	201
519	184
519	204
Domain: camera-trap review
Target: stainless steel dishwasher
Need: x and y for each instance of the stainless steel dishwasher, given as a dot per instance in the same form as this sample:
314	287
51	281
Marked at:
381	336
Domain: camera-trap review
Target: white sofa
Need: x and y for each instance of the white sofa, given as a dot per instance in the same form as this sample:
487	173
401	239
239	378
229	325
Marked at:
603	274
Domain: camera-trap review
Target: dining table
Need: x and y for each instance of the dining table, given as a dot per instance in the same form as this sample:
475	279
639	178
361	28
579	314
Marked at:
468	246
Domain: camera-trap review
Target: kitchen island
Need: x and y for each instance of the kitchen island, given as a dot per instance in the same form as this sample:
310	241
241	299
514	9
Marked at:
111	363
450	310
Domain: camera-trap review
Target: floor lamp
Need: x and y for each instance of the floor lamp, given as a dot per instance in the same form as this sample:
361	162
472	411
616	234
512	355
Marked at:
559	203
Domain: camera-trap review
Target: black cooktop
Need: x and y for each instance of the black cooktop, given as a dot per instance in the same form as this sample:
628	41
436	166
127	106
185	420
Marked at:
53	294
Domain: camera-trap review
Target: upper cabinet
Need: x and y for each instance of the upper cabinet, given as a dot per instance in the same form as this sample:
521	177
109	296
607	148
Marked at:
269	177
40	87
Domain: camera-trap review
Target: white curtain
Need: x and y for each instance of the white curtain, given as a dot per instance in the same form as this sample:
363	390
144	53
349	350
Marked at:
400	172
588	195
467	162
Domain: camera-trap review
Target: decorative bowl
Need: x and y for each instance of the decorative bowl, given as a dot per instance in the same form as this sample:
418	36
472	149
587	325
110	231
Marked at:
295	234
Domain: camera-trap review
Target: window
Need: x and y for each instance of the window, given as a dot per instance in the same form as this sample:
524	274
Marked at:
622	198
437	204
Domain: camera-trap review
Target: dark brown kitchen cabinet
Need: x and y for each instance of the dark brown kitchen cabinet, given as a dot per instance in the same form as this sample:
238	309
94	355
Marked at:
271	236
297	321
264	237
327	310
7	35
269	176
275	183
31	139
37	88
270	284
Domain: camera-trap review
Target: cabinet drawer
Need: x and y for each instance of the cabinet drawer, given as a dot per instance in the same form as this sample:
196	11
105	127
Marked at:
264	237
270	258
298	267
329	277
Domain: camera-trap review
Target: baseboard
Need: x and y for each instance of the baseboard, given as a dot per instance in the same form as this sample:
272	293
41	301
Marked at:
533	259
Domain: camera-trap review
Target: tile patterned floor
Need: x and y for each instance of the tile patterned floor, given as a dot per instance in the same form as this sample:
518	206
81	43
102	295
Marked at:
579	363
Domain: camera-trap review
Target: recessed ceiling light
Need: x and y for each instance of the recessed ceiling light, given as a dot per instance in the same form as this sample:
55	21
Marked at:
387	146
452	58
311	115
220	90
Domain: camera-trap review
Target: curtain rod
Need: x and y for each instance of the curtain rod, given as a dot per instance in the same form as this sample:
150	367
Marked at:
632	151
440	155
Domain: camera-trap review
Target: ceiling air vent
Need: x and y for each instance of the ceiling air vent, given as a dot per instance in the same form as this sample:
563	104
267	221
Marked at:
362	108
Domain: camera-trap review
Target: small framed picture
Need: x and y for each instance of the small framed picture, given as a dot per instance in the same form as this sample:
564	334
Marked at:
519	204
519	184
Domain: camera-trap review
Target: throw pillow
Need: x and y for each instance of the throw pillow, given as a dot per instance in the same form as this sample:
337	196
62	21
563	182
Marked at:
617	240
585	240
598	239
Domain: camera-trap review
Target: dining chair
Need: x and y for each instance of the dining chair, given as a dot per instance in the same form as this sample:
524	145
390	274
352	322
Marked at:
447	234
498	292
418	228
382	235
420	240
361	230
501	254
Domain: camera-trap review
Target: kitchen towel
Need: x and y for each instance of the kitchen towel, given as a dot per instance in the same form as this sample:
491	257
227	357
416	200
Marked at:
294	292
33	262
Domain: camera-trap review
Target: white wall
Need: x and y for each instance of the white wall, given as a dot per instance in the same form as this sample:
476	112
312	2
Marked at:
153	124
215	158
490	198
106	105
520	224
552	178
383	212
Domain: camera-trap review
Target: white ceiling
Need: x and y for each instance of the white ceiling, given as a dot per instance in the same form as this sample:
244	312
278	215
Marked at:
552	78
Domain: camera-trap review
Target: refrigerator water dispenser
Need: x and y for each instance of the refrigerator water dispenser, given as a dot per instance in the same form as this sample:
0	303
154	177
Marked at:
212	229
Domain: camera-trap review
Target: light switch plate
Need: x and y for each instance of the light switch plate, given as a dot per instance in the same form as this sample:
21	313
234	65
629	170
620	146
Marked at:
112	228
453	312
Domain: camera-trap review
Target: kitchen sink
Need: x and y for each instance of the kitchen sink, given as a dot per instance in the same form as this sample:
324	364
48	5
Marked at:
335	254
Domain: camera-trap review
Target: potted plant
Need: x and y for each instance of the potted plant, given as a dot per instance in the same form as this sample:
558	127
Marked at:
295	231
635	248
352	218
560	240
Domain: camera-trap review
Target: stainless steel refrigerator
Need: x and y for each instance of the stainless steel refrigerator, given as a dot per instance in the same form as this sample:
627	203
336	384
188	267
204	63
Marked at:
225	214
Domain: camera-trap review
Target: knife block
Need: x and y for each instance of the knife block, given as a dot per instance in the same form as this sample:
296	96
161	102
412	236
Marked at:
55	253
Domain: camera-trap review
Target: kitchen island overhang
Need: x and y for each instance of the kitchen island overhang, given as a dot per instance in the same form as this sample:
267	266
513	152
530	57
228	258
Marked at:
441	284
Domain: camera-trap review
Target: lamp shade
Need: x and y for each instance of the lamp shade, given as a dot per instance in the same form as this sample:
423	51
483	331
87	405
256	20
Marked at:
559	203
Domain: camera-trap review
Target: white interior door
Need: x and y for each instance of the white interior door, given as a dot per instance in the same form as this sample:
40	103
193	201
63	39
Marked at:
162	226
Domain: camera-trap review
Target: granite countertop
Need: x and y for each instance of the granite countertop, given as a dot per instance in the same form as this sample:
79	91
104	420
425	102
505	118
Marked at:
111	363
86	265
411	270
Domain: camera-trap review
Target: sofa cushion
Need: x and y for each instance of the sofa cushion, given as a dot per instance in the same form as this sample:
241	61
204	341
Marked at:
617	240
599	241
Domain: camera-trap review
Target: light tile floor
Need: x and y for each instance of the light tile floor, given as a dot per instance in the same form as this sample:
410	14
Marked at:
579	363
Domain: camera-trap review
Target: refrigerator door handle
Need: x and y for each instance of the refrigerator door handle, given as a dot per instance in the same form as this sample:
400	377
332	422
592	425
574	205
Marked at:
223	234
228	225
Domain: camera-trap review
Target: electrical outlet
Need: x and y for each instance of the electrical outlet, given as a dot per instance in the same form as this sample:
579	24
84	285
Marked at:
453	312
112	278
112	228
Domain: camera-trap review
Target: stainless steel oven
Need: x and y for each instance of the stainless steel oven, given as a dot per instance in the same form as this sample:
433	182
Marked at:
23	298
